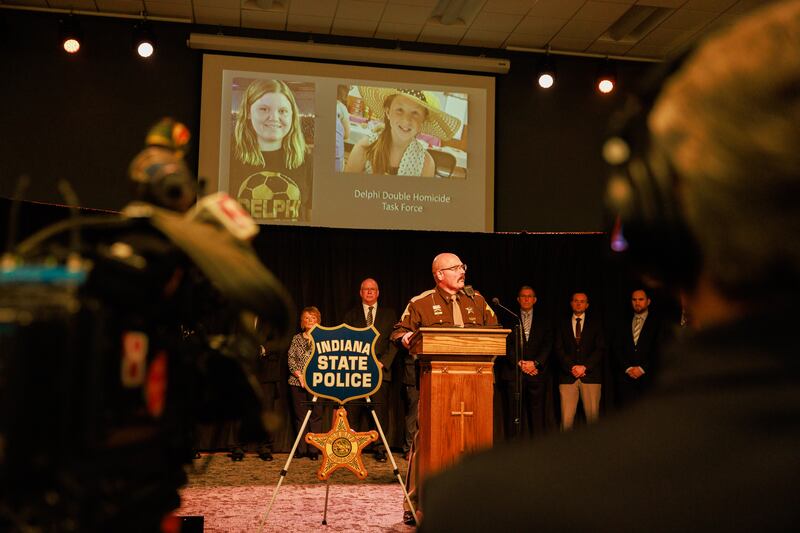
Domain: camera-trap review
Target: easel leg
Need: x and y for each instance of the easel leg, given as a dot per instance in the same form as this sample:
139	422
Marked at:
325	512
285	469
395	471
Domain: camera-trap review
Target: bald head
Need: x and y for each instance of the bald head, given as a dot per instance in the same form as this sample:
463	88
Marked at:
449	272
444	260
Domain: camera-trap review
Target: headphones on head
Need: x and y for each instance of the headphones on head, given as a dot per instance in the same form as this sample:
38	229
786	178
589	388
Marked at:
646	216
159	173
161	177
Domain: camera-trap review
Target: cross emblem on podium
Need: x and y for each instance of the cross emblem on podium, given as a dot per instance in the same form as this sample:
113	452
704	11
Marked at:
462	413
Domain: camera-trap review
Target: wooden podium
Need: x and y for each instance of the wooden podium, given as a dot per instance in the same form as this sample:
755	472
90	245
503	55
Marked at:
455	393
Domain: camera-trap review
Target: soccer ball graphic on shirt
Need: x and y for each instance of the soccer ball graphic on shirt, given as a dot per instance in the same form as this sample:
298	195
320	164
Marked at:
270	195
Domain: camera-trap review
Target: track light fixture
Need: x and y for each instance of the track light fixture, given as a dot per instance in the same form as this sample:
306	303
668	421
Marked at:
606	78
70	34
546	72
144	41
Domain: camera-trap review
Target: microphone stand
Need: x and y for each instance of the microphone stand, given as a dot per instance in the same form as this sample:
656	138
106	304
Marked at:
518	332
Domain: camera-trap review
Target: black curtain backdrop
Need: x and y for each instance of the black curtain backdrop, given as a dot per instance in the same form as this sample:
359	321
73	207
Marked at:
324	267
83	118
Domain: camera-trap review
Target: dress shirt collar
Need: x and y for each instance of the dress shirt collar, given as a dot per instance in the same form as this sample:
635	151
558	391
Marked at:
444	295
365	308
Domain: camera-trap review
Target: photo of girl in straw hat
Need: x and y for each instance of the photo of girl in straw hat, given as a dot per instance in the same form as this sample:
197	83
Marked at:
393	148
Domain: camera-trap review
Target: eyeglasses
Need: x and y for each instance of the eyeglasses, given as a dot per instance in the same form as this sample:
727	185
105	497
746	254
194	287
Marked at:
455	268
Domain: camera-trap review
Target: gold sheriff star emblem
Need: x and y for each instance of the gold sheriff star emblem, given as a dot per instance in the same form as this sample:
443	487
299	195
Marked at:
341	447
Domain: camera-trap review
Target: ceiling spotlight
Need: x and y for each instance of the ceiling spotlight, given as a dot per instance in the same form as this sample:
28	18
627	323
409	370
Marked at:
70	34
546	73
606	78
605	85
144	41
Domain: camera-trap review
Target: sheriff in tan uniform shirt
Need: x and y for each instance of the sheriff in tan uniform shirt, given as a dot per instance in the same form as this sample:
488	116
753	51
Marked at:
434	307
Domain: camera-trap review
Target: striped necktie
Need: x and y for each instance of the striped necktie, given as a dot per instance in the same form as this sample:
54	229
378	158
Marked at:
638	322
526	324
370	316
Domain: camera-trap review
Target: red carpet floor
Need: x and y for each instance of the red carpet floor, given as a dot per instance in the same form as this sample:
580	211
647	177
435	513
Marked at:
234	497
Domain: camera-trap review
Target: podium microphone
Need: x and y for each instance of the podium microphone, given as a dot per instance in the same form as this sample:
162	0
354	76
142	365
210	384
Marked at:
496	301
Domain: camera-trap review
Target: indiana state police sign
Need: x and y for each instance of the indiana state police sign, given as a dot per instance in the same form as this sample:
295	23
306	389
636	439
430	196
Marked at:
343	365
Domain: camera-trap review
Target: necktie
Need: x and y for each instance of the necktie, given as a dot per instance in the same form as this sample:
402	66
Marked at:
458	320
637	328
526	324
370	316
578	330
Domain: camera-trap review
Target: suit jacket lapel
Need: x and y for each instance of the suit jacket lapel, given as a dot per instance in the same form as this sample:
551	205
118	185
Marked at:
361	319
571	332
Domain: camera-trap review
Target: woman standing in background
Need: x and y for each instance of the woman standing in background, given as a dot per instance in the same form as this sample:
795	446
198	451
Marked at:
299	353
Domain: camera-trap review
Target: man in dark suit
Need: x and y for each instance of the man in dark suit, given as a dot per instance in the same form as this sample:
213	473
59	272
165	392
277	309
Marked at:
579	348
537	344
384	319
635	350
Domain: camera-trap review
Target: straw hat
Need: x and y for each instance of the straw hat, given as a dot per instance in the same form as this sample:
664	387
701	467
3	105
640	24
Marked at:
438	123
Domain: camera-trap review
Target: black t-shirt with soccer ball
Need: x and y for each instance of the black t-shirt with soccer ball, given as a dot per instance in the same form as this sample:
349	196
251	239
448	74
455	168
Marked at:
273	193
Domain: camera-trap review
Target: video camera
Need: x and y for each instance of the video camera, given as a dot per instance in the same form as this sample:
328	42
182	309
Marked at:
117	335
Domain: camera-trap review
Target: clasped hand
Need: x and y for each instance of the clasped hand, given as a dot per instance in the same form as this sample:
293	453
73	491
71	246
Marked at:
529	367
578	371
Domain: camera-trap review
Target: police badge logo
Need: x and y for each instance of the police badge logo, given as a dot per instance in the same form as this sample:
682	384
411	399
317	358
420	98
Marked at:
343	365
341	447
